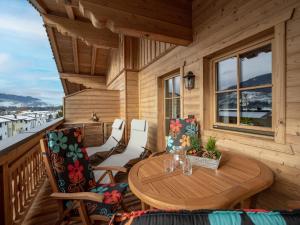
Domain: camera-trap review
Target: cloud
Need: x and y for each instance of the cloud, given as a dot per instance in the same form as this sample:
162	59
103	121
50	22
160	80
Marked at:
4	59
52	78
22	26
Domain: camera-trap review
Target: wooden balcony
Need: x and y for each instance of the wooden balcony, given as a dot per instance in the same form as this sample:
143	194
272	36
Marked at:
25	189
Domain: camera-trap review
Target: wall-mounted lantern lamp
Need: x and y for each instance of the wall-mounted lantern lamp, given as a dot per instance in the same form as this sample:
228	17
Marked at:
189	80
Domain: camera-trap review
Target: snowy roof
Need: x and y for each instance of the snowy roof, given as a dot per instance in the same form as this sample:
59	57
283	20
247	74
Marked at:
2	120
16	118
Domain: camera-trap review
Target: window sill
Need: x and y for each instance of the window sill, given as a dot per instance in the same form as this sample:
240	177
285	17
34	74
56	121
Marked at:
246	131
237	140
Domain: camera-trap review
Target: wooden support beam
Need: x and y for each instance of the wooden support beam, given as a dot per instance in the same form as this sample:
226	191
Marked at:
93	61
71	15
55	48
39	5
103	38
88	81
159	20
75	54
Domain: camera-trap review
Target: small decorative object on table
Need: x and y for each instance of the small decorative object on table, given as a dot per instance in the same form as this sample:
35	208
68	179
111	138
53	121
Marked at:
209	157
94	117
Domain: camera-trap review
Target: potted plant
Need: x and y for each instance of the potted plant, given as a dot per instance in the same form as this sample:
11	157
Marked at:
208	157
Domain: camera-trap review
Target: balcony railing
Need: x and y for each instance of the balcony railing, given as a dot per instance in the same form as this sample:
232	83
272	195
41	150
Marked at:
21	173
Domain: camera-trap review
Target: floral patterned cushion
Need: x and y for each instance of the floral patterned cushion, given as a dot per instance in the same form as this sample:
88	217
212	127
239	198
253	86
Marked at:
181	130
74	173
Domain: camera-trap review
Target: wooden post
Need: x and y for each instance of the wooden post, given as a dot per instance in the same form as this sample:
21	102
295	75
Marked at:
5	209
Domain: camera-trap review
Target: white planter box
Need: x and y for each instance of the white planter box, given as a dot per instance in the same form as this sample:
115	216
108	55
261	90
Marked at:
205	162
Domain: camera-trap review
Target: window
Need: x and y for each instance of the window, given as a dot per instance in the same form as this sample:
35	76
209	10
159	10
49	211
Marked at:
0	137
172	100
0	125
243	90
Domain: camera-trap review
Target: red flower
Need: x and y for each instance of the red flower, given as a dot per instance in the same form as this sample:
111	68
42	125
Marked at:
175	126
75	172
112	197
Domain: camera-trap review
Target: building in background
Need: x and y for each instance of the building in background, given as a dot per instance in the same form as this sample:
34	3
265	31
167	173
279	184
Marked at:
11	125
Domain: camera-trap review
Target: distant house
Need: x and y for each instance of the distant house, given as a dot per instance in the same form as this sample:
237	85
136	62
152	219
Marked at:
4	130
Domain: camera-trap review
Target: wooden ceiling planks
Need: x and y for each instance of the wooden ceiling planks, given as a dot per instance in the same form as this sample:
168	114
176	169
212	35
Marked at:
72	55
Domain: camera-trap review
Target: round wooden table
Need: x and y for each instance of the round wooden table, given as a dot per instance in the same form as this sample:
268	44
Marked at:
236	181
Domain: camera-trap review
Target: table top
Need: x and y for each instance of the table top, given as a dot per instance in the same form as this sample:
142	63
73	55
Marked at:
237	179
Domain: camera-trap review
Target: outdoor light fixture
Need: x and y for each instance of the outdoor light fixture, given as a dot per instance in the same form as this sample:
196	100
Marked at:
189	80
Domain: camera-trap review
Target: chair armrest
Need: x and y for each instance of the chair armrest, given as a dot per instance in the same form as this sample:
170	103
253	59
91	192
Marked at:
78	196
111	168
294	204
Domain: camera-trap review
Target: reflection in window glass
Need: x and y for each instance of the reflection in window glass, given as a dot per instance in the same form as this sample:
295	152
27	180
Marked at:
176	108
227	74
256	67
168	108
256	107
227	107
168	88
167	126
177	86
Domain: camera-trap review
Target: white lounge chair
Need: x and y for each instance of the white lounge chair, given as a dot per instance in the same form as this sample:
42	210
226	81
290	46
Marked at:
114	139
135	147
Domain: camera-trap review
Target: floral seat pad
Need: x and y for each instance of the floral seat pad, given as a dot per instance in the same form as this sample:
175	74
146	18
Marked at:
73	172
112	194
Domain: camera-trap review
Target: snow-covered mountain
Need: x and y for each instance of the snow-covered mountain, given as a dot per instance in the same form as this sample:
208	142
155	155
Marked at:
7	100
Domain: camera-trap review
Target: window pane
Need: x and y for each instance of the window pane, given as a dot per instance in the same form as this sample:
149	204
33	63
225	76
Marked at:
227	74
168	108
256	67
177	86
256	107
176	108
168	88
227	107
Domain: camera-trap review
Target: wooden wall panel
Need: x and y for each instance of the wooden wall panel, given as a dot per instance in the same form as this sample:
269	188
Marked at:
132	98
119	84
80	106
217	25
150	51
116	62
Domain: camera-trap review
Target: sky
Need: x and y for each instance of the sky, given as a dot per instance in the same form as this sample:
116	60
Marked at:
27	66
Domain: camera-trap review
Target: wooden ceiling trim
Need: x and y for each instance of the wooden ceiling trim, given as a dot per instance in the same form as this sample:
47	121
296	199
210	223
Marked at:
84	31
65	87
94	58
120	19
39	5
67	75
53	40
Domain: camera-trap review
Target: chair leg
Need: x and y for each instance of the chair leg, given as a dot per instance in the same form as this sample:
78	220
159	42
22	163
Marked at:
124	207
83	214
